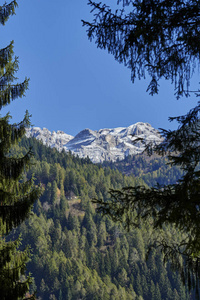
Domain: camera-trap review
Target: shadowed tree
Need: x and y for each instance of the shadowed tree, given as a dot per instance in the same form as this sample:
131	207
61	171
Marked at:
160	39
155	37
16	194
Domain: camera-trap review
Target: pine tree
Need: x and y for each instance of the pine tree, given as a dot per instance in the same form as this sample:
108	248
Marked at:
16	195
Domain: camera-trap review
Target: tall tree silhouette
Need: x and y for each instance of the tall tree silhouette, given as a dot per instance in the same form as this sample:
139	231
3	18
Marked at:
160	38
16	194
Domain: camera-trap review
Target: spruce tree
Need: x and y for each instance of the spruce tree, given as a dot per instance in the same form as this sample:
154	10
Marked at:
16	194
160	38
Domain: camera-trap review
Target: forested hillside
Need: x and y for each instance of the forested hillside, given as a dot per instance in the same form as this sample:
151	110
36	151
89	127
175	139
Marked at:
152	169
78	254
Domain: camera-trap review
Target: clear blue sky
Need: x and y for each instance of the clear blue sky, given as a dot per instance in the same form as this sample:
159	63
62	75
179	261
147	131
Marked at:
73	84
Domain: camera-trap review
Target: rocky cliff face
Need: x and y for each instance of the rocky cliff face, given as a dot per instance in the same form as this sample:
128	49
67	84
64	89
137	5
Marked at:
105	144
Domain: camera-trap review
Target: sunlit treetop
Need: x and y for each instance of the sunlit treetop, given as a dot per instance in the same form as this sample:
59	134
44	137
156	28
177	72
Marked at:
7	10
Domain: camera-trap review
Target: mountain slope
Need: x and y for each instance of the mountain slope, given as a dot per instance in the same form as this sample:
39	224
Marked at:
102	145
77	253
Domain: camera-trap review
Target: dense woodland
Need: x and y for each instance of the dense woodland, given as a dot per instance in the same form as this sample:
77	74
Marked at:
77	253
160	40
152	169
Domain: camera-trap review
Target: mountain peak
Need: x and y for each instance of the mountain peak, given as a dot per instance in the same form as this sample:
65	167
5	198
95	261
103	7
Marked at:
104	144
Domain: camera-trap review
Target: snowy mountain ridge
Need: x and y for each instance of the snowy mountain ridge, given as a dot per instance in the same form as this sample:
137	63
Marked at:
104	144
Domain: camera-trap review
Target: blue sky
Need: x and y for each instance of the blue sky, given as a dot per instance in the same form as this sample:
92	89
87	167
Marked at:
74	85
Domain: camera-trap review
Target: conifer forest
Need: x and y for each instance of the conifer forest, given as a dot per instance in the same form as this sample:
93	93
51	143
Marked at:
77	253
118	230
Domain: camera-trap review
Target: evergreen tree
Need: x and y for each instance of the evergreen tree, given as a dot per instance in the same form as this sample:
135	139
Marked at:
16	195
112	269
155	37
160	38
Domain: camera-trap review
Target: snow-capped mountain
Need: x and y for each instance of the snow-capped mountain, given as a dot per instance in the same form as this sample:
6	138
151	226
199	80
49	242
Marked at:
105	144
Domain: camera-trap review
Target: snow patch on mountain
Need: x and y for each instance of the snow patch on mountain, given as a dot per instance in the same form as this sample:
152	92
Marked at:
104	144
52	139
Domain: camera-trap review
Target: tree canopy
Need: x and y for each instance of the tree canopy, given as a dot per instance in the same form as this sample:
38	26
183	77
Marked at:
77	254
160	38
155	37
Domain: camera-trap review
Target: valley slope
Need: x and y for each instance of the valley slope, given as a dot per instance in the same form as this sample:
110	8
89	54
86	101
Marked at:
79	254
